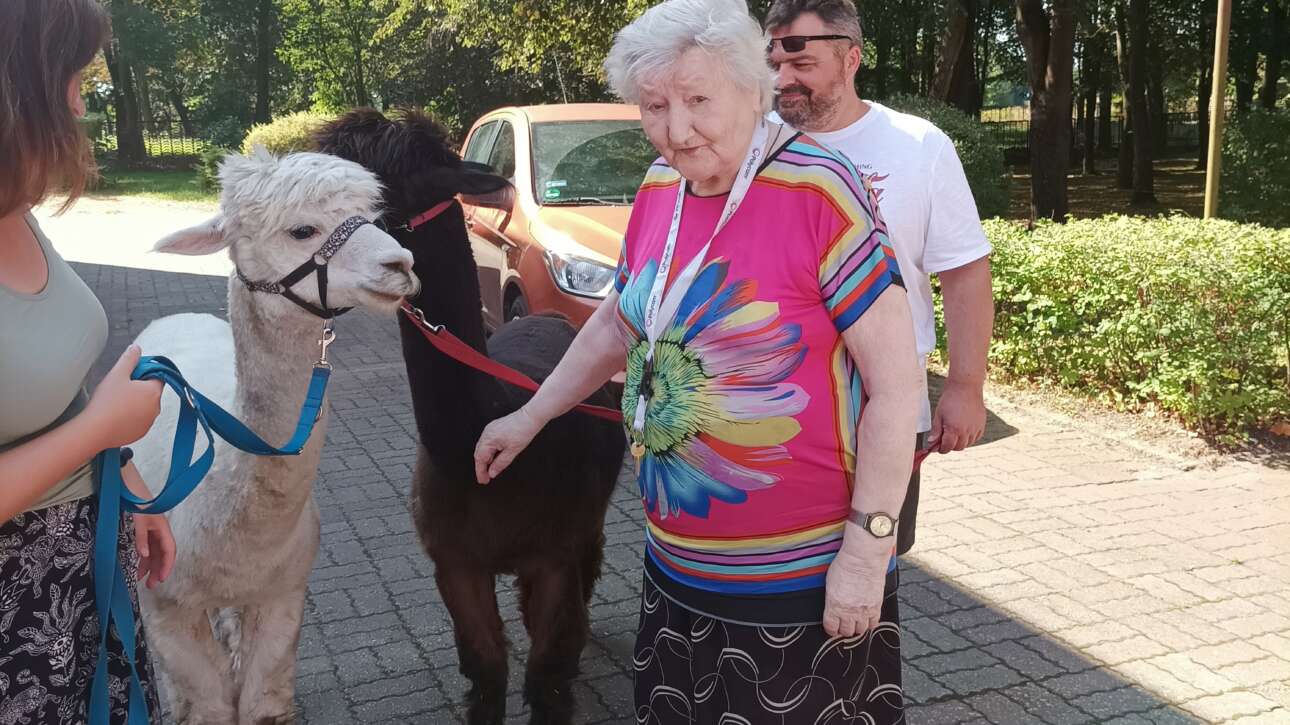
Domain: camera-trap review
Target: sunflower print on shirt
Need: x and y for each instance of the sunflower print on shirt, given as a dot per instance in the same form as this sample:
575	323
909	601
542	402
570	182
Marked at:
722	409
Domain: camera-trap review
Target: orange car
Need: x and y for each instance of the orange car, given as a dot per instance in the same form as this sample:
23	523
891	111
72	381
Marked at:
552	243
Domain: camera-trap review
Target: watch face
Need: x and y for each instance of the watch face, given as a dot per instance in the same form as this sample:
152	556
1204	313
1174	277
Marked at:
880	525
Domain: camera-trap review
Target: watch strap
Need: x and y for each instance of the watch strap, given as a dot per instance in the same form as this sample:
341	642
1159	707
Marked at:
861	519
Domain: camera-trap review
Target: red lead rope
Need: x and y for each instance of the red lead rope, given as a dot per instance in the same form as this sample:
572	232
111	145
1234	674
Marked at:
452	346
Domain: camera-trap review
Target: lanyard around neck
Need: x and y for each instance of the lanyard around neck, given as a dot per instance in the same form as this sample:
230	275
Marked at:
653	324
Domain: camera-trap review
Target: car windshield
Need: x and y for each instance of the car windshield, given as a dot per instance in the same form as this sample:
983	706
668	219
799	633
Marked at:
590	162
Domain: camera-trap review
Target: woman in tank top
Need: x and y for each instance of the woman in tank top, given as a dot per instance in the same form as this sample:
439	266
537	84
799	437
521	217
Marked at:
52	329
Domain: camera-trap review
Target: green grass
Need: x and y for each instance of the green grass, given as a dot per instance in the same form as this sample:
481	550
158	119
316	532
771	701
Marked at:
164	184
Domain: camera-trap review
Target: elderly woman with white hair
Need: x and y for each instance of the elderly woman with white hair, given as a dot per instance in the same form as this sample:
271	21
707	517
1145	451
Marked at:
771	393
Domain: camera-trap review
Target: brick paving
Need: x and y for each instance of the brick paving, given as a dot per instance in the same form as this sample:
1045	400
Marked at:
1058	577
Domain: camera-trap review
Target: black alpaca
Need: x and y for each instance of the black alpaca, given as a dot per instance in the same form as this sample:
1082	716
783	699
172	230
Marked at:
542	520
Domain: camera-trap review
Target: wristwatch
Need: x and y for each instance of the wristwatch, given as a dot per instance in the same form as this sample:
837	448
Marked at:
879	525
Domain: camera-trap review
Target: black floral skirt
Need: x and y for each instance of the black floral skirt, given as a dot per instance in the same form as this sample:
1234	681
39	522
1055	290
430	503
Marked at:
49	627
693	669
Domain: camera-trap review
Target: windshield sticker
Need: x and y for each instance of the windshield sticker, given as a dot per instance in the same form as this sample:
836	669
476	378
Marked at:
560	183
553	193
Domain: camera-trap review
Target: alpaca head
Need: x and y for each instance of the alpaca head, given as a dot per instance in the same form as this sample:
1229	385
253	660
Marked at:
410	154
276	213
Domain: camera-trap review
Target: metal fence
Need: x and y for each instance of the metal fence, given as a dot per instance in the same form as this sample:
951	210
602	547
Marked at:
160	140
1181	132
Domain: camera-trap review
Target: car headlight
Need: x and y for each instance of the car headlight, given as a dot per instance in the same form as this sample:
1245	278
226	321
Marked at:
580	276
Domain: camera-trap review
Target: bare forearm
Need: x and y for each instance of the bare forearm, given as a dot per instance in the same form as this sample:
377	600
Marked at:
882	344
969	320
594	357
28	471
886	452
134	482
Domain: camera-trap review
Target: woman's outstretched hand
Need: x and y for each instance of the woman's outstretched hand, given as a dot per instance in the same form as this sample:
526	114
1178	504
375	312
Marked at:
503	440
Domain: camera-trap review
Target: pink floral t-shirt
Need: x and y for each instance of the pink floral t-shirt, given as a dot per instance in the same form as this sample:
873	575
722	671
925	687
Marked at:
751	429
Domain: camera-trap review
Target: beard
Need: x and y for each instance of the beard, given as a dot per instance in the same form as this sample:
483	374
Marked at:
808	110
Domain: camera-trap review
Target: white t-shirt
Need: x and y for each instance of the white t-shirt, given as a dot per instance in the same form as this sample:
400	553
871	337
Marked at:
925	200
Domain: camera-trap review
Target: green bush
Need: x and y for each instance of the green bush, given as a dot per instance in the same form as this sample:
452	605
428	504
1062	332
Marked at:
981	156
1189	316
1256	177
207	167
284	135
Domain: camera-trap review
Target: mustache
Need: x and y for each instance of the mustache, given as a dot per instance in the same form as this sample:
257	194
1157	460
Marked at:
796	88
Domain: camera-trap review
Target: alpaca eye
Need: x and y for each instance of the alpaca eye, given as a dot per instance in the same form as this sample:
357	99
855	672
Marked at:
302	232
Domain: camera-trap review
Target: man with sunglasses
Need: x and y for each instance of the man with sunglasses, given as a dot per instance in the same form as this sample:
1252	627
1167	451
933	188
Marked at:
923	197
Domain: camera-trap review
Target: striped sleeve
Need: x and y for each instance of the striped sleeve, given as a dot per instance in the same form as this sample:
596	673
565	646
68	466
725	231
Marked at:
857	264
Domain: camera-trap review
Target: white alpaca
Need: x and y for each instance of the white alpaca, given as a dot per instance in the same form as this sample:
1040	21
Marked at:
223	629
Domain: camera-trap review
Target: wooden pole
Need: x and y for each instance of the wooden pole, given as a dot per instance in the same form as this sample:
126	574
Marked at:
1217	103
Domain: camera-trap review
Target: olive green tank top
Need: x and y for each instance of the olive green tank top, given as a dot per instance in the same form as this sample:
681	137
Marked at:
48	343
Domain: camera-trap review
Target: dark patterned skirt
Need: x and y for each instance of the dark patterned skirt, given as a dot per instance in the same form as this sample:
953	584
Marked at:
49	627
694	669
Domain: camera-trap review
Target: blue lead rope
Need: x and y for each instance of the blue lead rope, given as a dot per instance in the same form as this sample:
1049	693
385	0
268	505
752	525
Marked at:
111	592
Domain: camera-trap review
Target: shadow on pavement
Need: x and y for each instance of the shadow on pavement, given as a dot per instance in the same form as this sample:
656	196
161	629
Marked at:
377	645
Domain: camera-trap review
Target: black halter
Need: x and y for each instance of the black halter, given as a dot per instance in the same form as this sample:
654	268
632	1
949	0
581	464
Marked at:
316	264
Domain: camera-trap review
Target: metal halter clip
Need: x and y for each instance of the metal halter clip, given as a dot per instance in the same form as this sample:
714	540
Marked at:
325	341
421	318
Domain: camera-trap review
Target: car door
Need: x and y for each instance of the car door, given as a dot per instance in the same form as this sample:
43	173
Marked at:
479	149
488	231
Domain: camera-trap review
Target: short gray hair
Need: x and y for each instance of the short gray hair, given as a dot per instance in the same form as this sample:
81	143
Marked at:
723	28
840	16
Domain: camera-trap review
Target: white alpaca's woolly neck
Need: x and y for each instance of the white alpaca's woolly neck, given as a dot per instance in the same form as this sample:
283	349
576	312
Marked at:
276	344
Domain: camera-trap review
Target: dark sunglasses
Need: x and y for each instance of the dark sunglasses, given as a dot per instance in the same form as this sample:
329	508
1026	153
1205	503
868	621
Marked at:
797	43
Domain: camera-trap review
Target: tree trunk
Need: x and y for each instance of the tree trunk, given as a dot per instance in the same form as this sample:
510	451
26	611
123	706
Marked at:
1049	40
954	80
144	90
1105	139
908	49
1246	72
1143	177
129	130
882	53
1090	131
986	39
181	109
263	59
928	61
1124	160
1277	40
1205	80
1156	97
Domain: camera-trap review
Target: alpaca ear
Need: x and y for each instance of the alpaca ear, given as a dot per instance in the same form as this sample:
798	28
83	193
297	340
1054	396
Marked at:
205	238
477	179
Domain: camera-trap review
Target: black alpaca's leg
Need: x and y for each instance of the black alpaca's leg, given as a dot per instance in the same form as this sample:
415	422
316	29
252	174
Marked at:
481	645
592	557
557	620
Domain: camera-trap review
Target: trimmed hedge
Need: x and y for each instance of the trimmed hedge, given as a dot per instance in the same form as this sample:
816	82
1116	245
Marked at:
981	157
286	134
1189	316
1256	177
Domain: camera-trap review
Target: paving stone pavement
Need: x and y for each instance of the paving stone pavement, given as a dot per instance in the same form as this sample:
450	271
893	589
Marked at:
1058	577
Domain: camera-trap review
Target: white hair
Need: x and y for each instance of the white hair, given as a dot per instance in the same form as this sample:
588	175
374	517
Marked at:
646	48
